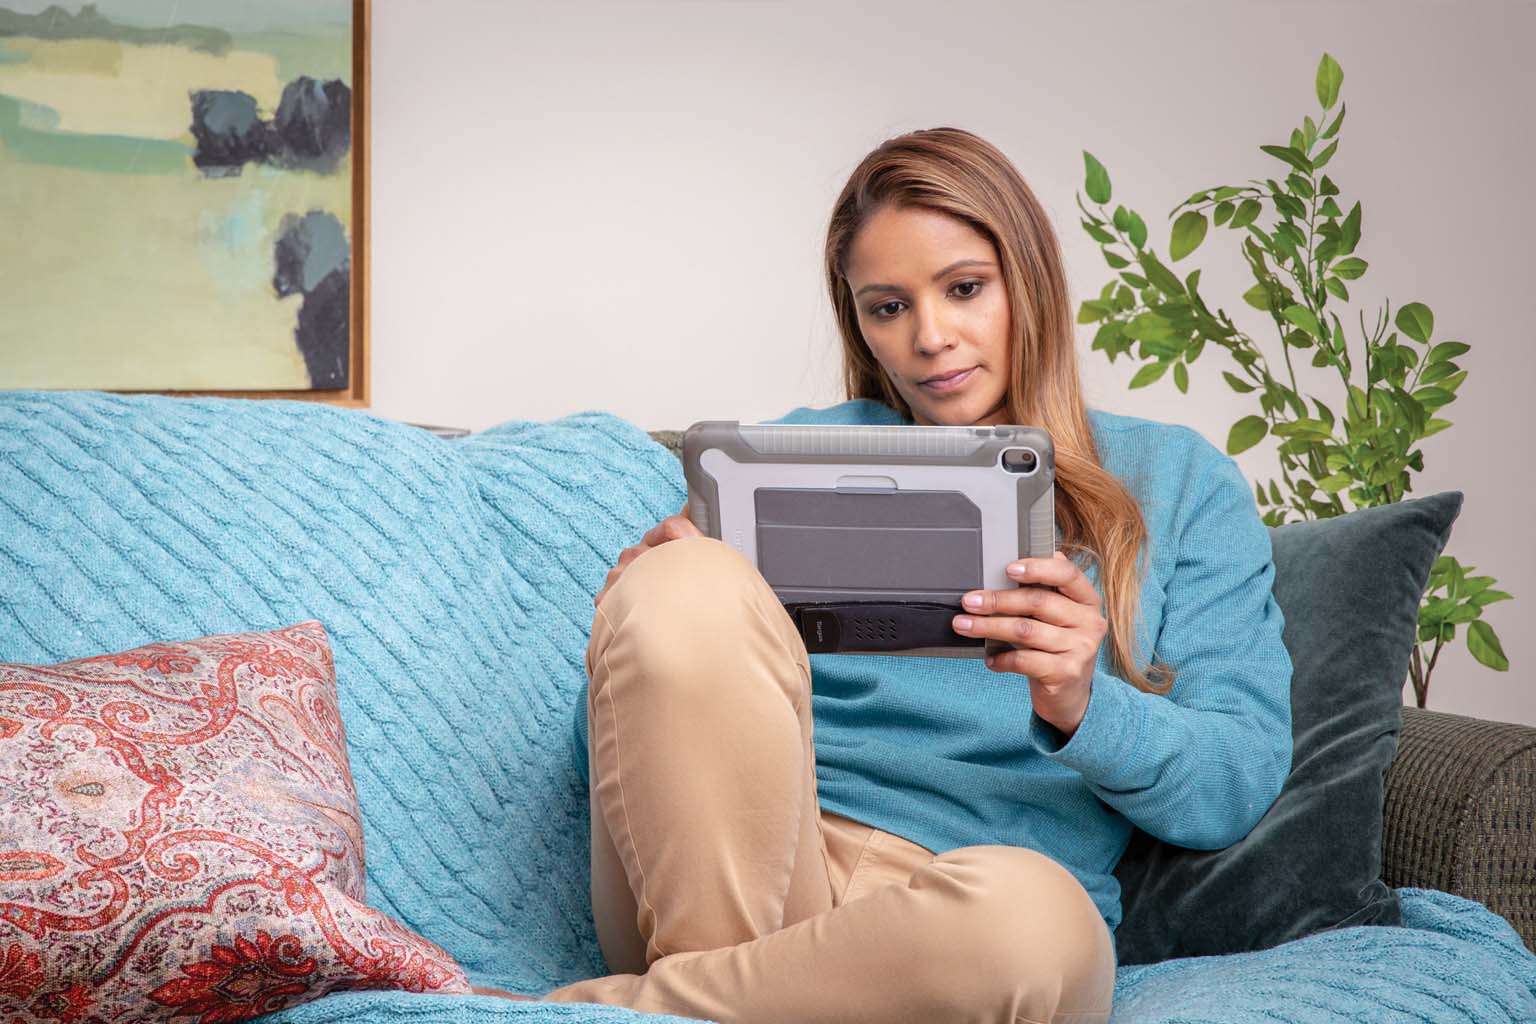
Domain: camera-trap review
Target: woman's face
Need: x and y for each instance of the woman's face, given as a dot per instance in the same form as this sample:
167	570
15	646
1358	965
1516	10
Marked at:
930	300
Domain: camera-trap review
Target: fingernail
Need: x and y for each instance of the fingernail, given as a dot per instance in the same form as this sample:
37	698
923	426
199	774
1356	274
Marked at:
1016	569
971	601
962	622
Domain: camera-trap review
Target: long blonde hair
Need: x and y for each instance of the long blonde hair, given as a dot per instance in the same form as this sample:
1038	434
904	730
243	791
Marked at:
955	172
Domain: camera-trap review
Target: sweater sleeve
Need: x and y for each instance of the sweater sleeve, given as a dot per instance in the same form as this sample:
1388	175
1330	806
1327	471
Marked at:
1200	766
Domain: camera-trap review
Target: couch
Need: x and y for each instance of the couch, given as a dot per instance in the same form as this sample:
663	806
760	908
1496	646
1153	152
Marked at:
454	577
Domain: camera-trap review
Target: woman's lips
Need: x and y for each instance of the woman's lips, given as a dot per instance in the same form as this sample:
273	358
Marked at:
954	383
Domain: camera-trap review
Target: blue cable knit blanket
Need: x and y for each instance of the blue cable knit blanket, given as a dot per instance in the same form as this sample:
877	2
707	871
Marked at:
455	580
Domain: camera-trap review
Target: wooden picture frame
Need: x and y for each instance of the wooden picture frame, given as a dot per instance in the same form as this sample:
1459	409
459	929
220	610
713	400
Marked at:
307	259
355	394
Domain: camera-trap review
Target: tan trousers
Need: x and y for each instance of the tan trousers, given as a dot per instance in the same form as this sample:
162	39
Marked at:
722	891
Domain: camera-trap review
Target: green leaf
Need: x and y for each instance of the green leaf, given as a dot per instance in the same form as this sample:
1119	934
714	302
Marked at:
1329	77
1434	426
1433	398
1474	585
1097	184
1299	185
1304	426
1098	234
1163	278
1434	612
1134	280
1188	232
1302	317
1335	483
1109	338
1349	231
1411	406
1464	613
1336	288
1332	129
1122	219
1257	297
1294	157
1487	597
1435	372
1484	644
1181	377
1446	350
1247	210
1350	267
1114	259
1246	433
1147	374
1149	326
1161	348
1358	403
1291	207
1138	230
1416	321
1222	212
1237	383
1321	160
1092	310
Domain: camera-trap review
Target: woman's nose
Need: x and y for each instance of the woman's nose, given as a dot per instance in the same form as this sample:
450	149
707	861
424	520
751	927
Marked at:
932	334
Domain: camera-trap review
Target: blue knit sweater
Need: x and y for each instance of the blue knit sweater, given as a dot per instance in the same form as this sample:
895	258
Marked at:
947	752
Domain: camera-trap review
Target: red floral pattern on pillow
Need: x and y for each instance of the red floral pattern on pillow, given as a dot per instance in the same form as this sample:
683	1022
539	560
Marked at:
180	838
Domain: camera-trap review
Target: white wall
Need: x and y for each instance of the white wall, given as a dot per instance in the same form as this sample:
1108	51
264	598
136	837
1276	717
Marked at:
621	205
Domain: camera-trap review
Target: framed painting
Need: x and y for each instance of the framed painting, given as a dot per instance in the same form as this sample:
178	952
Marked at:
184	197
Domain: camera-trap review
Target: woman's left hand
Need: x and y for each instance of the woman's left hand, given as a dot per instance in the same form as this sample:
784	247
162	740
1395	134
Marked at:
1055	633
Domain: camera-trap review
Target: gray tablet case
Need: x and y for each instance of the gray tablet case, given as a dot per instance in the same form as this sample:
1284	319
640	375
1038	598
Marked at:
871	534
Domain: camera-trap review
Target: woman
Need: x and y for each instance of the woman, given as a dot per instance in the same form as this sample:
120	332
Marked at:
943	851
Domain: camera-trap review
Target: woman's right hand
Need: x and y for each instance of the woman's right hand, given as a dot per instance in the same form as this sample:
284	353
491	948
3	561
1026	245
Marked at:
670	528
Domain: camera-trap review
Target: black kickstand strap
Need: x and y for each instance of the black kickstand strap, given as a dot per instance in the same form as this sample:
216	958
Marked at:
829	627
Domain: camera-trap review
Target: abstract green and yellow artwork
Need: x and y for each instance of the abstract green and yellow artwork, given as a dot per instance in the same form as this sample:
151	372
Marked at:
176	194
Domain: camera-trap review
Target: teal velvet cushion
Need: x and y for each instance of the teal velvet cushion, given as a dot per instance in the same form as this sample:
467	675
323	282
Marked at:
1349	588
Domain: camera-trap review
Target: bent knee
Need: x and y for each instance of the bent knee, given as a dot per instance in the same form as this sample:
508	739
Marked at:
1019	921
693	572
689	608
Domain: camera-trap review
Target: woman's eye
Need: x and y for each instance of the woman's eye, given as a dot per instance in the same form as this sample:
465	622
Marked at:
975	287
878	310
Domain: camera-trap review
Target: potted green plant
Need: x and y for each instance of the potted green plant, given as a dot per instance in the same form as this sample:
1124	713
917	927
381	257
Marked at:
1358	449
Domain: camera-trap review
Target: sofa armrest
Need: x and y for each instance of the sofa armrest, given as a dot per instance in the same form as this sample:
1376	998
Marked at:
1461	813
672	440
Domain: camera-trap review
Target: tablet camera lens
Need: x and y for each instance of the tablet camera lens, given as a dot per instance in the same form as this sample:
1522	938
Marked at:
1019	460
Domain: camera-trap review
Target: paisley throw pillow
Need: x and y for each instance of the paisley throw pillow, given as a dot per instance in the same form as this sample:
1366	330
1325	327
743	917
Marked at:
179	837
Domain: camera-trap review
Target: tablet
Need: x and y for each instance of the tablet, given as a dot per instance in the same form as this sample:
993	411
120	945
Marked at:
870	535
